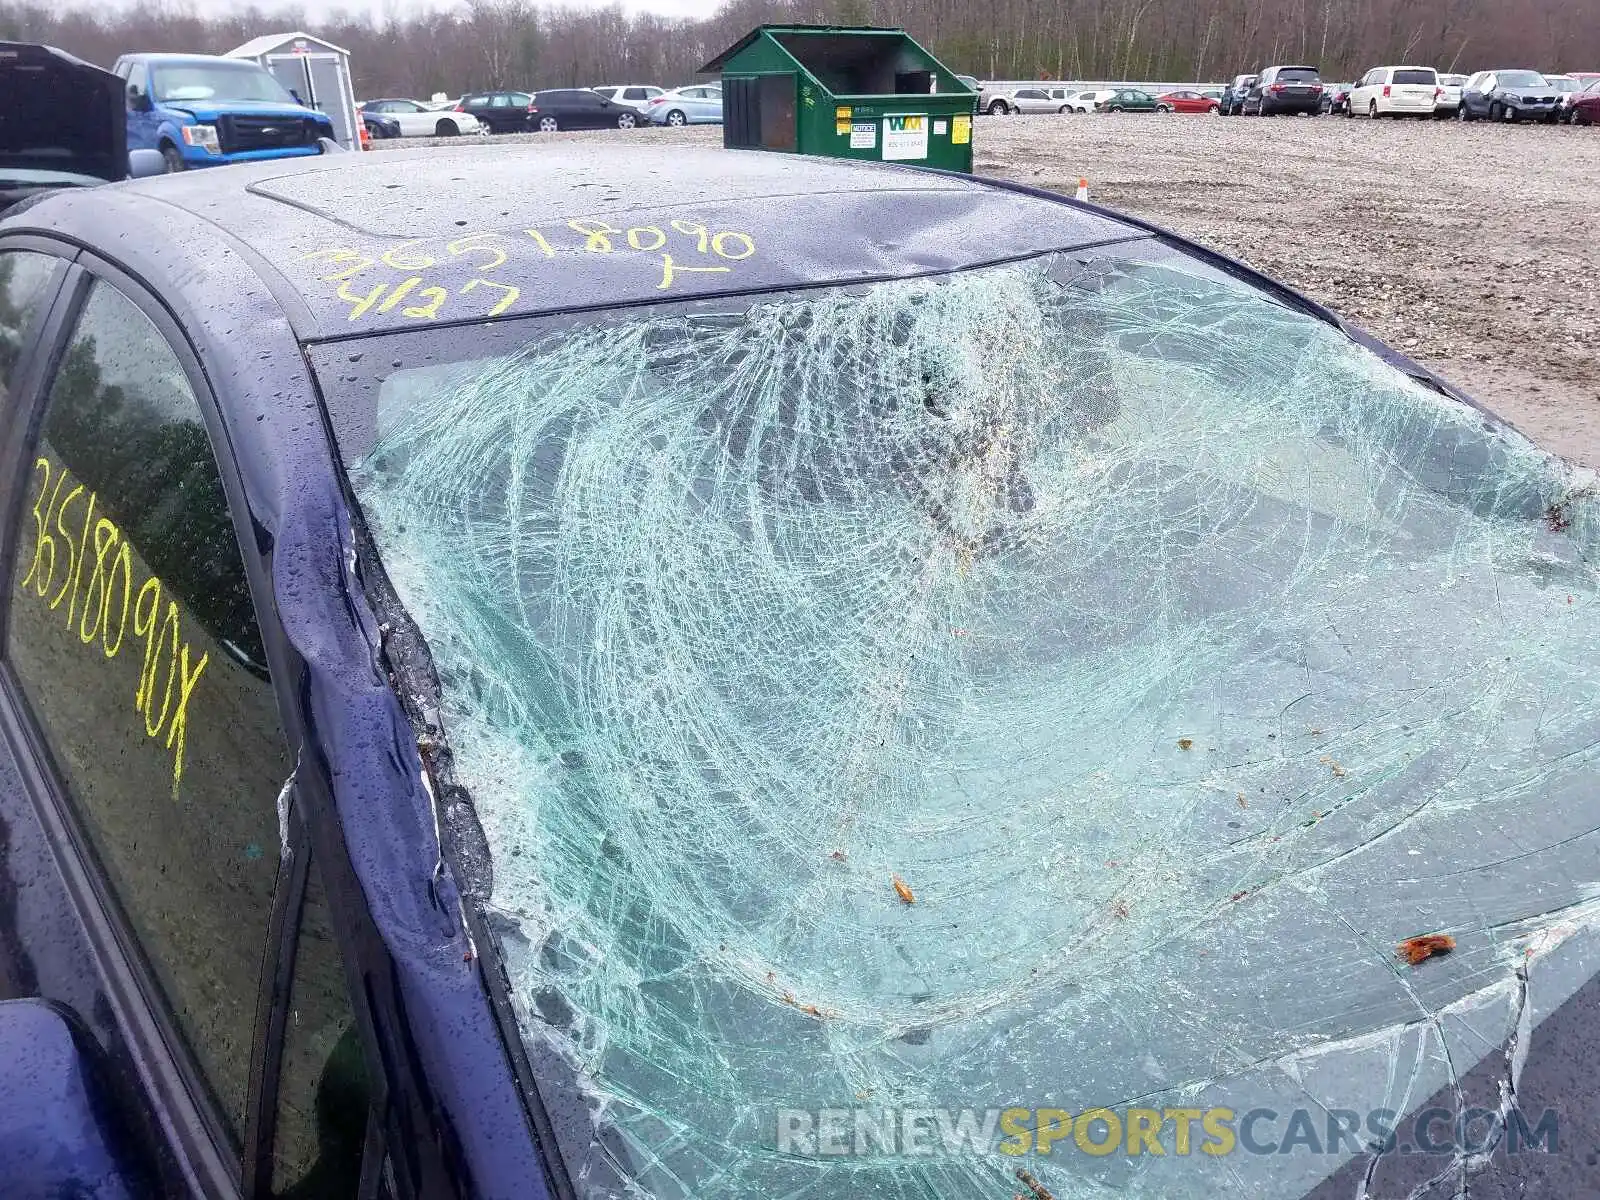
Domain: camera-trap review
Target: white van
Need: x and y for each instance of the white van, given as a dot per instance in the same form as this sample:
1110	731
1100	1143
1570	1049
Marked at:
1395	92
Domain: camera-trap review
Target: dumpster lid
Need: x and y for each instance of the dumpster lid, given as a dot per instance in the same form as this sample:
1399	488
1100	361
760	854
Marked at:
717	63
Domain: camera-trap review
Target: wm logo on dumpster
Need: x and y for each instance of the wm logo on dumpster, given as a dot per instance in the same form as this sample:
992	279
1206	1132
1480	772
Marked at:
905	124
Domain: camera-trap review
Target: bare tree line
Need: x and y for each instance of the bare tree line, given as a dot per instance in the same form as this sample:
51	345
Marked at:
515	43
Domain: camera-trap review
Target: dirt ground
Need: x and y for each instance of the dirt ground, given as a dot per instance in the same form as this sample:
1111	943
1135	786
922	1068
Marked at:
1474	248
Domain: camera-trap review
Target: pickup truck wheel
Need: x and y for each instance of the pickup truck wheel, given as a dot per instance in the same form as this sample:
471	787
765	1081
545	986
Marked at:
173	158
445	129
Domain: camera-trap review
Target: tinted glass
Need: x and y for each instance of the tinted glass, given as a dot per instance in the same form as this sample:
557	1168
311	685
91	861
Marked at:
500	100
322	1081
635	94
1296	75
1426	77
24	288
132	634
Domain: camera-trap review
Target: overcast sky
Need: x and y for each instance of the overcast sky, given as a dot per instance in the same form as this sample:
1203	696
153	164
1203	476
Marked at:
318	9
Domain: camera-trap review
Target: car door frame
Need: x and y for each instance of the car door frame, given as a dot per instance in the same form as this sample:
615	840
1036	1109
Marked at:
169	1076
173	1086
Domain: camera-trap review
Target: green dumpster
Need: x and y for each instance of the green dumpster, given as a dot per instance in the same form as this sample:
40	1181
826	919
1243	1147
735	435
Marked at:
841	92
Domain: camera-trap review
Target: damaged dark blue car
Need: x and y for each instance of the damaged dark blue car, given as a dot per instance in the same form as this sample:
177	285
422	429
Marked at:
595	671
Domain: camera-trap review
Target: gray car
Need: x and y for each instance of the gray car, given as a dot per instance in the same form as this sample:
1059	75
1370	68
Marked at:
1041	100
700	104
1508	96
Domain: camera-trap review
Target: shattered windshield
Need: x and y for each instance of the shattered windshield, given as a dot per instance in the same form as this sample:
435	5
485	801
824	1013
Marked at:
1000	734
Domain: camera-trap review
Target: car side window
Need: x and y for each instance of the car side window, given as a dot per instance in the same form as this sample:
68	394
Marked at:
138	79
24	289
499	100
323	1093
132	635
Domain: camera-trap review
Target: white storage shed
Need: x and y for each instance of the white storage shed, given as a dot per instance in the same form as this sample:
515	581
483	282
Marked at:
316	71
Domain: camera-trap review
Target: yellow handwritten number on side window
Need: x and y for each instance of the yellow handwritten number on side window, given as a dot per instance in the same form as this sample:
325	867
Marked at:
170	673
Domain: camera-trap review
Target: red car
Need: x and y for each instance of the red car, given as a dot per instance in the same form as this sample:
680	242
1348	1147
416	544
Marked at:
1186	102
1586	108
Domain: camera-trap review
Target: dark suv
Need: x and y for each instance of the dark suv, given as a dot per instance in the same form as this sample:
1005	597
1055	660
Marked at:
499	112
1284	90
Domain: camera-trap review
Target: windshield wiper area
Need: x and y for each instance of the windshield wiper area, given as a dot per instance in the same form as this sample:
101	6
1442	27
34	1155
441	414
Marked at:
1020	690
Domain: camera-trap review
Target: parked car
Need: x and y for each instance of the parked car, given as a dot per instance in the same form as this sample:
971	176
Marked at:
1395	92
1586	108
198	110
1090	101
64	126
379	126
1232	102
1187	101
516	597
1567	88
416	120
1449	98
579	108
1335	98
1280	90
1508	95
1131	100
697	105
1037	100
498	112
636	96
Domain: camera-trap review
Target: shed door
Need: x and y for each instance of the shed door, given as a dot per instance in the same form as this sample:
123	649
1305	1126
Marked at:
327	90
290	70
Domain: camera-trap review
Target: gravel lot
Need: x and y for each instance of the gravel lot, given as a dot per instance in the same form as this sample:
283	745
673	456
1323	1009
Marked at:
1473	248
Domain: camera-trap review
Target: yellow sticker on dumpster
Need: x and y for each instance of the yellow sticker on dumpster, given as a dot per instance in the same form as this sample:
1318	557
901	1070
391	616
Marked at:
841	127
841	114
960	130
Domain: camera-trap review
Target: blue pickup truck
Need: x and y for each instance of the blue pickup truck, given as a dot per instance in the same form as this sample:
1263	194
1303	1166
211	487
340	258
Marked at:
203	111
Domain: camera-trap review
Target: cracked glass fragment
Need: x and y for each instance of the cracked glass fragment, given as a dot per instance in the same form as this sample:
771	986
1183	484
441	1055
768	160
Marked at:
1175	655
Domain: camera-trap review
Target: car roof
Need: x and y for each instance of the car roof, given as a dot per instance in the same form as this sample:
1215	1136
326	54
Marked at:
464	234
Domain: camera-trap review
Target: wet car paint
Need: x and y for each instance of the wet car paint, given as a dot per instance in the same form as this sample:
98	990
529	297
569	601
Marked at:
439	1006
